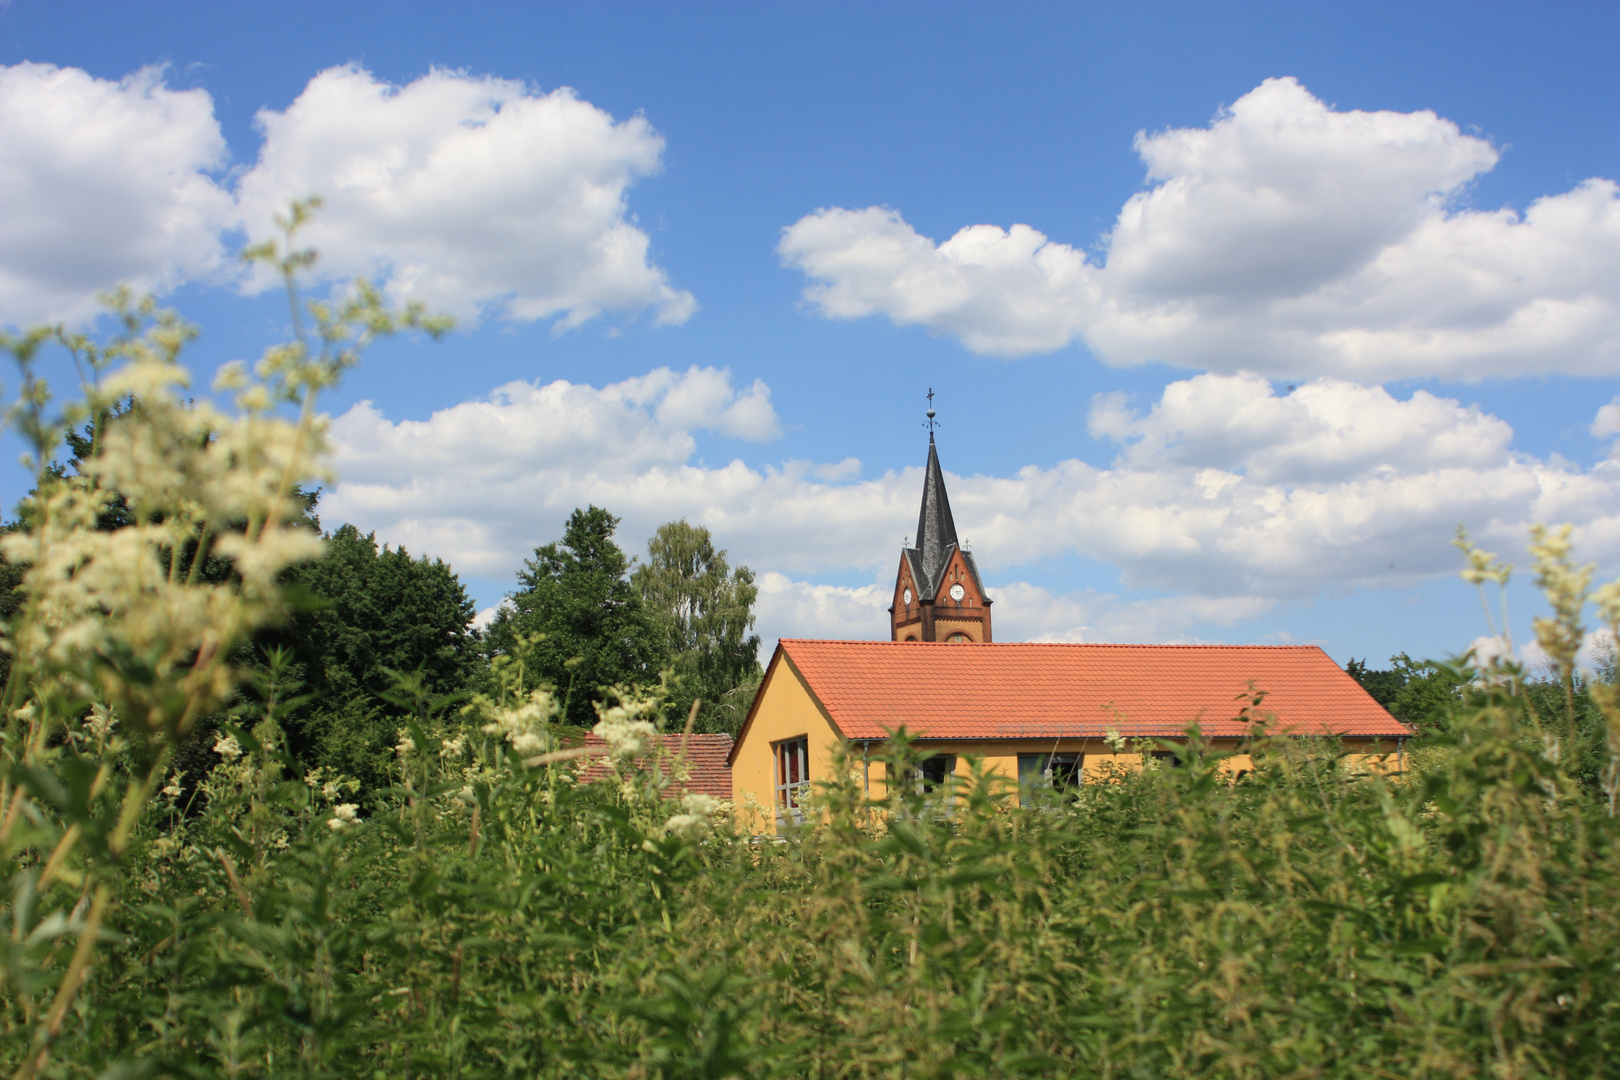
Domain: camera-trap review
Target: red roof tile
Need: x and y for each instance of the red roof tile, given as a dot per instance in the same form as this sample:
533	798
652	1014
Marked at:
705	761
972	691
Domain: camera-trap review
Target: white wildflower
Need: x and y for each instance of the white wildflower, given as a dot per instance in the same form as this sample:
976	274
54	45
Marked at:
686	825
452	748
524	727
343	815
186	469
694	819
528	742
227	747
100	722
231	376
696	802
172	789
1115	741
626	738
406	745
1607	599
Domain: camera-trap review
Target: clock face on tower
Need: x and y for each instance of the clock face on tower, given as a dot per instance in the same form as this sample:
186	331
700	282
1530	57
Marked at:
907	597
957	592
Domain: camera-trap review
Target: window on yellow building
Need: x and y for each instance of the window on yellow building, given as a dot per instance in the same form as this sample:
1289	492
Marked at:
934	772
792	778
1040	776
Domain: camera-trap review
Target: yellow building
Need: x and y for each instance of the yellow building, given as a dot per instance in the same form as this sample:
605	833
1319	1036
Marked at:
1040	715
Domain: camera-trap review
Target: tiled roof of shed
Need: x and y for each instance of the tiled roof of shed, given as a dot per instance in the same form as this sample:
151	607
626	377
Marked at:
705	760
1015	691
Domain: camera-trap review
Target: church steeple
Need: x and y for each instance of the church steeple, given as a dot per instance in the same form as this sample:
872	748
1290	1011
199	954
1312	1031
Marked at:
936	530
937	593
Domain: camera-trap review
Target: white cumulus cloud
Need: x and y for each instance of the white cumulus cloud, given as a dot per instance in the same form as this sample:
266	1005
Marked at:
470	192
788	607
482	482
1606	424
1326	430
1027	612
476	194
104	182
1226	497
1286	237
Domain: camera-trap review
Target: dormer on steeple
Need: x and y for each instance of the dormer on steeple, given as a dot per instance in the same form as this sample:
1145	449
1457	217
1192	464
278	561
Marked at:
937	594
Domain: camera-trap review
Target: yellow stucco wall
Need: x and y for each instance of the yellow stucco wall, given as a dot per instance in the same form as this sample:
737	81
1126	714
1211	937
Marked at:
1001	758
785	709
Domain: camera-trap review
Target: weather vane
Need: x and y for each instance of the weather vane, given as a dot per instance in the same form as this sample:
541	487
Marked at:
932	423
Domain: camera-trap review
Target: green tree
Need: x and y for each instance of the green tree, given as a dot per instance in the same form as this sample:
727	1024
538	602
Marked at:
1384	686
596	632
374	611
705	610
380	610
1412	690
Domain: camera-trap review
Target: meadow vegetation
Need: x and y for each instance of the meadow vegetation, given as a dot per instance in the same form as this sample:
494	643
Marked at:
198	884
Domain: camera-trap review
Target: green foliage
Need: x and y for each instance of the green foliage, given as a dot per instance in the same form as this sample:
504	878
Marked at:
1416	691
594	631
381	610
11	597
706	612
494	918
1383	685
374	612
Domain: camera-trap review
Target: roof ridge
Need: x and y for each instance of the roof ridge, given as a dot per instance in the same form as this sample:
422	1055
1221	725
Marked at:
1040	644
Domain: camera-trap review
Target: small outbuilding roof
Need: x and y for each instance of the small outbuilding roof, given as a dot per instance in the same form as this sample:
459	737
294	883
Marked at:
707	769
1033	691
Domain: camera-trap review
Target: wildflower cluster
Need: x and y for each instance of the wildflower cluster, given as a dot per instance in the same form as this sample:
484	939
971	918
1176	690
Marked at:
697	812
523	727
626	729
128	638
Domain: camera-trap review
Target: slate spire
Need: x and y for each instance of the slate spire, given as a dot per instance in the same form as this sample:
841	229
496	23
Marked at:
938	596
936	531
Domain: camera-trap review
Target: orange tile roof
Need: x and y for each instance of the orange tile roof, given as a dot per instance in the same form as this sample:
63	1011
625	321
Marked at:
705	759
1016	691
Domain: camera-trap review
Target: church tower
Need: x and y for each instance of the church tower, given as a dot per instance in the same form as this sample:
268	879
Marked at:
937	594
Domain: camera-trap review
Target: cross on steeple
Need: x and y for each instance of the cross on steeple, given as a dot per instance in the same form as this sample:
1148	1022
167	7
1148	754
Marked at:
931	424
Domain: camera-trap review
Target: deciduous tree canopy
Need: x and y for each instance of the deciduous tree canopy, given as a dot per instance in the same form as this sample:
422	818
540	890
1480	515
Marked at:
596	631
705	610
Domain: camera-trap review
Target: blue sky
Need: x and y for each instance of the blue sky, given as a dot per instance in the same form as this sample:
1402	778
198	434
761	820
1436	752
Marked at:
1364	287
